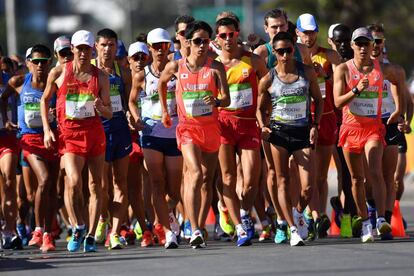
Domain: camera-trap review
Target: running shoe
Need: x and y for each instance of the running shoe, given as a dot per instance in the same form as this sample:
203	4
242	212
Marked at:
324	226
159	233
266	233
101	231
187	230
127	234
300	223
171	240
147	239
295	239
22	232
115	242
218	232
175	227
89	244
76	240
281	233
366	235
372	214
383	228
248	226
69	234
13	242
225	221
346	228
37	239
243	239
356	224
197	240
48	243
138	231
312	228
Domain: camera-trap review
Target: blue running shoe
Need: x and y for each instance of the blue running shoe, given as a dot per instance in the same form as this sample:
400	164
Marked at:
89	244
76	240
248	226
187	230
22	232
281	233
372	214
243	239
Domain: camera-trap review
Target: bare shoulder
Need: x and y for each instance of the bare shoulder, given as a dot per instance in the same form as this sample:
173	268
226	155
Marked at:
172	66
333	56
138	76
261	51
342	68
57	71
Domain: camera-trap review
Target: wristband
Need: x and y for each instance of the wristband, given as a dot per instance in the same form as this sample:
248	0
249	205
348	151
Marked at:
218	102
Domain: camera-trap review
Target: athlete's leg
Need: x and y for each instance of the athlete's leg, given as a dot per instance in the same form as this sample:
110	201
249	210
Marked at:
250	162
174	172
95	167
389	166
8	164
304	160
120	201
399	174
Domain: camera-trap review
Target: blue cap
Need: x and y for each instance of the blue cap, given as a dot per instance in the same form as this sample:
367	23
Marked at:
121	51
307	22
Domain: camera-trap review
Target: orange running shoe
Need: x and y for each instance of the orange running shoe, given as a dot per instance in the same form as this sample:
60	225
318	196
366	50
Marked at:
37	239
147	239
159	233
48	243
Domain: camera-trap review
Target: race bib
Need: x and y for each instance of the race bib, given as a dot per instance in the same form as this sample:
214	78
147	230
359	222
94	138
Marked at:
32	116
79	106
290	108
322	86
116	100
194	104
151	105
241	96
9	116
365	105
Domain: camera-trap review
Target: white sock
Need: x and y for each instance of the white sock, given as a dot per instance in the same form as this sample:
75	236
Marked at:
293	229
39	229
281	222
244	212
239	228
81	227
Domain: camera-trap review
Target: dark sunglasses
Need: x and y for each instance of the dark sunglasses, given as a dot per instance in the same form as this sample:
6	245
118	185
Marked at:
182	32
36	61
66	53
282	51
198	41
228	35
362	43
160	45
139	57
379	41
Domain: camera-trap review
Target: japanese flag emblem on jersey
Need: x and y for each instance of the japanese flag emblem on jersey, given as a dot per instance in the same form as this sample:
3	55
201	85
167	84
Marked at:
356	77
184	76
245	72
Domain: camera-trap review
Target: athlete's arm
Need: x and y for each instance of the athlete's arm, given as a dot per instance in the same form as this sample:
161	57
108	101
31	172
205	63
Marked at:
316	95
103	102
48	93
138	80
261	51
263	105
13	87
169	71
342	97
126	79
334	58
260	66
222	84
396	75
409	111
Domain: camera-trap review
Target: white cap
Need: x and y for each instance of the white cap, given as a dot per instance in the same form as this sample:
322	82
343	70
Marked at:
307	22
83	37
158	35
28	52
137	47
331	29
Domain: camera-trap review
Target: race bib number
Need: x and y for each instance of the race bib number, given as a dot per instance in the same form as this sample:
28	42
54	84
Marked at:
365	105
9	116
290	108
194	104
151	105
322	87
79	106
116	100
32	116
241	96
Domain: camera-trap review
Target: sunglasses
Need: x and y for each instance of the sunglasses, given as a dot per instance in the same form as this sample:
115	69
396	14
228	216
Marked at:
282	51
228	35
160	45
379	41
182	32
36	61
65	53
139	57
198	41
362	43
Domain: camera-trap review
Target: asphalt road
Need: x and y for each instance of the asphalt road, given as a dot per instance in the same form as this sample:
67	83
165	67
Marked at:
322	257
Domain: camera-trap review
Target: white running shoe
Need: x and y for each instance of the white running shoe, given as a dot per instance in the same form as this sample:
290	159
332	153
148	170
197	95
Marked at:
295	239
197	240
175	227
170	240
301	224
383	227
366	235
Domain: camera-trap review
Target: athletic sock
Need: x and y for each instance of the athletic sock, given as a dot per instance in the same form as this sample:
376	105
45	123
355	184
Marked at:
244	212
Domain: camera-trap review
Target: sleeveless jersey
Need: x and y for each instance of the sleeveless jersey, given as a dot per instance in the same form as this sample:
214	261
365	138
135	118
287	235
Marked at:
325	86
28	109
191	89
243	89
11	104
364	109
290	101
388	104
151	111
75	101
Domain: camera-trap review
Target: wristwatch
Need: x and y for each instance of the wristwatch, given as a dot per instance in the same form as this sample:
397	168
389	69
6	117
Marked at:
356	91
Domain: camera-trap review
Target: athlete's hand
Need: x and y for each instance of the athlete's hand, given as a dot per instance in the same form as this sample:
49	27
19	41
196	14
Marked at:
313	136
10	126
98	104
394	118
166	119
404	127
265	134
139	125
363	84
209	100
48	139
130	119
